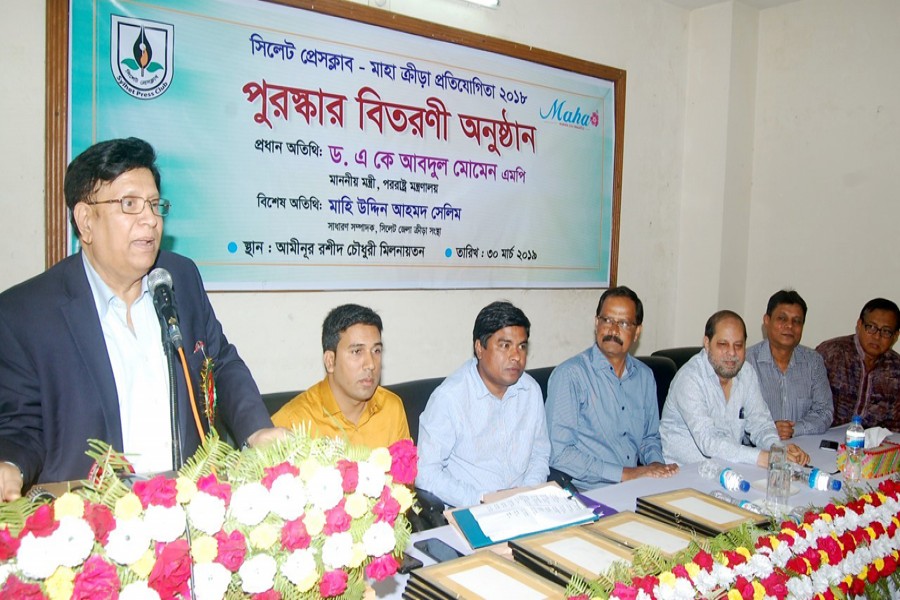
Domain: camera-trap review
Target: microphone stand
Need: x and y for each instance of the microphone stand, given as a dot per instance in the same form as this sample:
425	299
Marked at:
174	420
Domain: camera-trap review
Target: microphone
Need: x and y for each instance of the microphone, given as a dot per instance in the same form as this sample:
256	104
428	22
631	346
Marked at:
160	283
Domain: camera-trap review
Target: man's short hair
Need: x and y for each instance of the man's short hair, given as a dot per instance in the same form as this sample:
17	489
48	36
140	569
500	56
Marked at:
341	319
102	163
623	291
713	322
786	297
494	317
881	304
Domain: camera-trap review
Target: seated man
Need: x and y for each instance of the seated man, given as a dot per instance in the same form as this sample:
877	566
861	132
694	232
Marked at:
602	413
713	401
349	402
484	428
864	371
792	377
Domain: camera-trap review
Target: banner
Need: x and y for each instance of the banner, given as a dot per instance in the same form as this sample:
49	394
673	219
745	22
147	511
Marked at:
302	150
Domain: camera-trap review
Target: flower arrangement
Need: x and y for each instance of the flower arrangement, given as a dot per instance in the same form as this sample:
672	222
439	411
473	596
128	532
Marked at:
303	518
841	551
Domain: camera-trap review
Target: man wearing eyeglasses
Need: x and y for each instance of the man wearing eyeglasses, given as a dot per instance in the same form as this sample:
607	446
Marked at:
602	412
864	371
792	377
80	350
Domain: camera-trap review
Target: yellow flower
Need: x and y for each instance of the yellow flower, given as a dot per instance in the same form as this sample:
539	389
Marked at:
693	569
307	582
382	458
144	564
314	521
759	592
871	532
401	494
825	517
204	549
185	489
61	584
743	552
357	505
308	468
68	505
668	579
264	535
734	595
879	564
863	573
358	555
128	507
823	557
775	542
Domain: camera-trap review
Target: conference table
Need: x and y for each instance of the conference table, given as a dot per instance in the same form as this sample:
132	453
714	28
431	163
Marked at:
623	497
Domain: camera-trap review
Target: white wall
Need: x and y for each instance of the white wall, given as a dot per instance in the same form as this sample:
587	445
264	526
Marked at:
747	136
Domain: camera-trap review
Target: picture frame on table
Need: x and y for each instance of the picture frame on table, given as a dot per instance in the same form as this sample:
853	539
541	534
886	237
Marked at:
634	530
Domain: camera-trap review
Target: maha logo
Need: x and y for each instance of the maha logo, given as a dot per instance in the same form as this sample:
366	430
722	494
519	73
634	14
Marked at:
565	115
141	54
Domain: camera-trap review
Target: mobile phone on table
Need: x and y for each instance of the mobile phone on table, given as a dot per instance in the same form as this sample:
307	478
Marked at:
437	549
828	445
408	564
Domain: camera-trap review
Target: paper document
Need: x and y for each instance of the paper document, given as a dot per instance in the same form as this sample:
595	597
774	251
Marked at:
536	510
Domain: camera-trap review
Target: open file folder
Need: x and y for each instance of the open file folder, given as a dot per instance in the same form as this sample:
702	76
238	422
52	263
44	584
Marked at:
542	509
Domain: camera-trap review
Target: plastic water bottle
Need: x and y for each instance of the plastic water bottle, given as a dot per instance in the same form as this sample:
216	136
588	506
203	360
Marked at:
732	481
778	484
856	440
745	504
817	479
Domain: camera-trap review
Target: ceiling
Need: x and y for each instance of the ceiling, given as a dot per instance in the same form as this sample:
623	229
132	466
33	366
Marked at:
760	4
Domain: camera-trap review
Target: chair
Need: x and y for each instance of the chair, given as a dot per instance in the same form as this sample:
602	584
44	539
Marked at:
679	355
663	372
415	395
542	376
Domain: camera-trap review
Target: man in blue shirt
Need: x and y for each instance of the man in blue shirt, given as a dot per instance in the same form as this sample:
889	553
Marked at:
602	413
792	378
484	429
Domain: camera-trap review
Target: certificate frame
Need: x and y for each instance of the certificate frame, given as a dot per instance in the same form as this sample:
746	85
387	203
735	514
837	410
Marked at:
663	506
535	548
606	525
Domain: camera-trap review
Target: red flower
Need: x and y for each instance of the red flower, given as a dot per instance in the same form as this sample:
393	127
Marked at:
387	508
704	560
586	597
267	595
858	586
273	473
232	549
403	462
18	589
97	580
681	572
336	519
100	519
210	485
776	585
41	523
621	590
646	583
158	491
798	565
382	567
890	565
333	583
172	570
349	475
294	535
9	545
832	549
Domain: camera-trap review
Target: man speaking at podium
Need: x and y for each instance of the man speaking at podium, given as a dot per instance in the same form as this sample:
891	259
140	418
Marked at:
81	355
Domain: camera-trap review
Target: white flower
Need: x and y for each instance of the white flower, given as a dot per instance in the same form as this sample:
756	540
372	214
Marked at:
210	581
250	504
5	569
165	524
300	569
800	587
139	590
207	513
128	541
258	574
38	557
337	550
325	488
288	497
74	539
379	539
371	479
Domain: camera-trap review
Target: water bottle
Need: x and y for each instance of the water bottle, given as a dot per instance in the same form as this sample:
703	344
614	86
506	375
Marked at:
817	479
732	481
778	484
856	440
745	504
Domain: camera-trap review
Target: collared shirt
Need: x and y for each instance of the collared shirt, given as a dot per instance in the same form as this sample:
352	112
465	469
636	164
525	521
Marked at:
875	395
801	394
697	422
382	422
472	443
139	368
599	423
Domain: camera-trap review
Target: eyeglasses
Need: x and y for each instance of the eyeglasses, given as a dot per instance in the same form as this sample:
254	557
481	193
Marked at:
134	205
872	329
622	325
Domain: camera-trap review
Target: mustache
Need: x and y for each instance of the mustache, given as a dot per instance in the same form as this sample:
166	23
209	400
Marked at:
613	338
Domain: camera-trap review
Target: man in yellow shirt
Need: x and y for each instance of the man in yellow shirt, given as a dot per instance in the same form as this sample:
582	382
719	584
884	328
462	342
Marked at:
349	403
